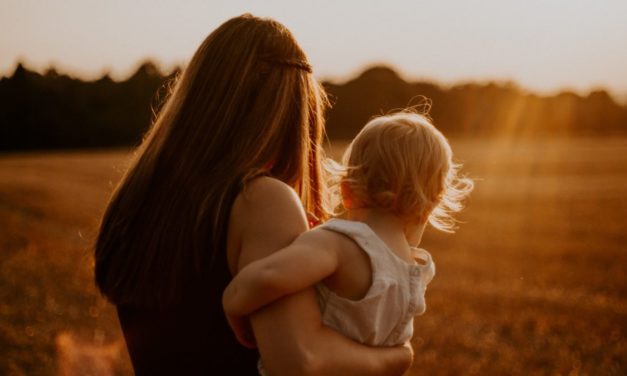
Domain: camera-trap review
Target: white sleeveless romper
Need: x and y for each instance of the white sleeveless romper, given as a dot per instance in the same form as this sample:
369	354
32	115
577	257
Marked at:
384	316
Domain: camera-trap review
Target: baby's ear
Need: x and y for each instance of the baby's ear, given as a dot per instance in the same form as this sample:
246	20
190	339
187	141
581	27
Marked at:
348	198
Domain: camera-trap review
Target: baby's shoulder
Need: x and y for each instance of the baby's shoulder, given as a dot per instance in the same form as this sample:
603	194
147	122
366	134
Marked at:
344	244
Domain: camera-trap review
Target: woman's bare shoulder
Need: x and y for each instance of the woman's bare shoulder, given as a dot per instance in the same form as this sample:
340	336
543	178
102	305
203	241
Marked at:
268	195
266	216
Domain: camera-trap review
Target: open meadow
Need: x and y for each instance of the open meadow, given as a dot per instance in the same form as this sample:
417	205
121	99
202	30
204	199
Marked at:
533	282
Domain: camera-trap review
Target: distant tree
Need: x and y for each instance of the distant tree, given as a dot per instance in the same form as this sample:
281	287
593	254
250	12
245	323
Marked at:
54	110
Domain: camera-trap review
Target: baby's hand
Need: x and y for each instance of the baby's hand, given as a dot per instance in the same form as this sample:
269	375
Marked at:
242	330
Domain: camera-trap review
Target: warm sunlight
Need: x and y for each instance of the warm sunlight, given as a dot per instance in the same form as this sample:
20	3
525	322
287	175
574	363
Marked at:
167	208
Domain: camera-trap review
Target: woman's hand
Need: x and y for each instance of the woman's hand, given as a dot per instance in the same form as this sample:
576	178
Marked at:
406	358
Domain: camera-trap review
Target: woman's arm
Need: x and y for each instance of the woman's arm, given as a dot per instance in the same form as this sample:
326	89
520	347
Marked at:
312	257
293	341
289	332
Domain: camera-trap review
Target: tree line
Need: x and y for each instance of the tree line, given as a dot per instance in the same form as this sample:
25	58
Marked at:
53	110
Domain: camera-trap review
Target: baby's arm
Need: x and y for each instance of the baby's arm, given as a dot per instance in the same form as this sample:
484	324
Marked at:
312	257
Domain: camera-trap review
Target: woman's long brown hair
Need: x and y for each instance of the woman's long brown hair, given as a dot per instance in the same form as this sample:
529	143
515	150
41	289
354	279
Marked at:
246	104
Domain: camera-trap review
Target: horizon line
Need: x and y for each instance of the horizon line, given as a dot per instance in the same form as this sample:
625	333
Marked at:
619	98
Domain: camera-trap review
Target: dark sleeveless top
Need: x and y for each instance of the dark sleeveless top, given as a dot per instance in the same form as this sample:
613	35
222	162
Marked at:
193	337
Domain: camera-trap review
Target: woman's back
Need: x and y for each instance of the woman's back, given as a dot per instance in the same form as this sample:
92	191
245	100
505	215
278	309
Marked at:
191	337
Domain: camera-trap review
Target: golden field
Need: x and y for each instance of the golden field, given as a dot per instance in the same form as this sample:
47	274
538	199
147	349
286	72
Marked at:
533	282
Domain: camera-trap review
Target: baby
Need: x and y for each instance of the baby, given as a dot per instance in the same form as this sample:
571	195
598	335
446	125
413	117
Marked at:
397	176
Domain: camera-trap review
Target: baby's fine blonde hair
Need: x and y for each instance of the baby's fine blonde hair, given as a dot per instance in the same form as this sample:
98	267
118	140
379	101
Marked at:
401	163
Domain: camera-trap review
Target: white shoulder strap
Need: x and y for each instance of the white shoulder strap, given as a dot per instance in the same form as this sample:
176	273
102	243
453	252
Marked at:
358	231
427	266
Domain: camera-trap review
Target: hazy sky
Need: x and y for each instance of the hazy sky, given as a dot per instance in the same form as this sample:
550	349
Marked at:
544	45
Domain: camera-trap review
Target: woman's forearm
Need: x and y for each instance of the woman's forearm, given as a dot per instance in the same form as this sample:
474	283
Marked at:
292	341
337	355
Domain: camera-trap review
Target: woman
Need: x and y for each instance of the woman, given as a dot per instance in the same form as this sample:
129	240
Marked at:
220	180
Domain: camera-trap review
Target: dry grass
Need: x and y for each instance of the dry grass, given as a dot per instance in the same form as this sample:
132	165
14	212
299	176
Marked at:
534	281
50	205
